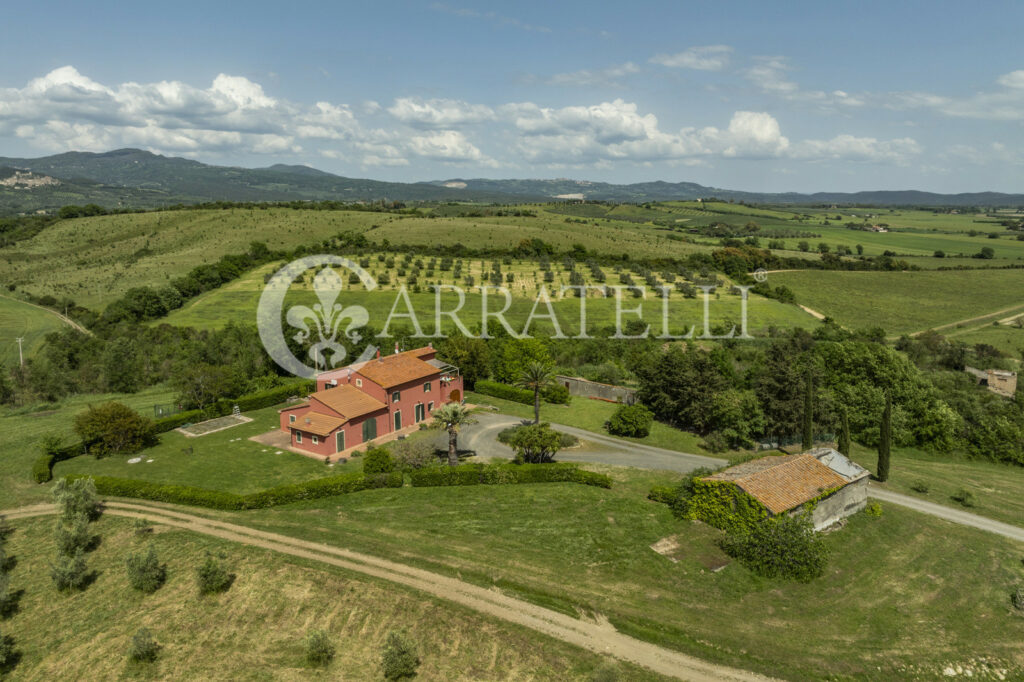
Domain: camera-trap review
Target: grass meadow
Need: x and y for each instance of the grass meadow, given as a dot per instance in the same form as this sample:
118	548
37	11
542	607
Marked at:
257	629
905	302
19	319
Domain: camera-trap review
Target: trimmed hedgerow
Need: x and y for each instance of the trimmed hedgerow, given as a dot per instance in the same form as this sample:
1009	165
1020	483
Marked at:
219	499
504	391
42	468
555	393
479	474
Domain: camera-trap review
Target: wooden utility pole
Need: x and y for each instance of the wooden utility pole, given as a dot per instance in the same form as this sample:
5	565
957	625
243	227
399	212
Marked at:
21	358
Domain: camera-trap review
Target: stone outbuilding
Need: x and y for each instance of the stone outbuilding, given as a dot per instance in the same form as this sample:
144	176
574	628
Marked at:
823	481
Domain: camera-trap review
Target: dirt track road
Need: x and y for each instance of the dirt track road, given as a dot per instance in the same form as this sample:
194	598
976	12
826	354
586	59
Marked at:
595	635
63	318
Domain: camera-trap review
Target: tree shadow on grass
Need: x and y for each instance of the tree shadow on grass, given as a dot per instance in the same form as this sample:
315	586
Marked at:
13	658
12	605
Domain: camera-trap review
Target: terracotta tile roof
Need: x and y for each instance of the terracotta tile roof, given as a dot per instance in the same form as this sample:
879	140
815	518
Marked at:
347	400
782	483
317	423
394	370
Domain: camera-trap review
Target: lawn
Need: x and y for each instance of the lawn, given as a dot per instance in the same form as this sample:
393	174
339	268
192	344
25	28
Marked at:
223	460
905	595
256	630
998	489
584	413
22	428
19	319
904	302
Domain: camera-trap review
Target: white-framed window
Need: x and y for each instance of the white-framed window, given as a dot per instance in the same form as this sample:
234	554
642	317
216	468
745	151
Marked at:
298	436
426	387
291	419
316	440
359	383
396	396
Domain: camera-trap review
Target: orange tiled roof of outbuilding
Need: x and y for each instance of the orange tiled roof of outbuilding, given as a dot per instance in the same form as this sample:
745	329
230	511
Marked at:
782	483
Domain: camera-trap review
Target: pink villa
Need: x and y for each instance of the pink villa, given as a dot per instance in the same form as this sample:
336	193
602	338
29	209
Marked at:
356	404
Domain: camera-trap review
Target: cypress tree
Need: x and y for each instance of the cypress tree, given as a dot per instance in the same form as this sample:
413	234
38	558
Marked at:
885	441
844	431
808	440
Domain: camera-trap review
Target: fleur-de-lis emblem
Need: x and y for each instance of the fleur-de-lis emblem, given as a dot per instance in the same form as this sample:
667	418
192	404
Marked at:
326	318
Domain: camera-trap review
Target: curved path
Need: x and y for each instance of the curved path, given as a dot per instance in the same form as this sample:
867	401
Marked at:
482	438
595	635
63	318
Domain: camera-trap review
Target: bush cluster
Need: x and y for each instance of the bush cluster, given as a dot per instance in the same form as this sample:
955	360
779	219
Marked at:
143	648
633	421
378	460
319	649
145	572
780	547
555	393
399	659
218	499
213	577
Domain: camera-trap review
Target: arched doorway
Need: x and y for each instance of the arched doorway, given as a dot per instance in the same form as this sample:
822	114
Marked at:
455	396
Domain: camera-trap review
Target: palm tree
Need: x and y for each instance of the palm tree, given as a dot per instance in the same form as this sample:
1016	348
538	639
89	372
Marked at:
535	376
451	417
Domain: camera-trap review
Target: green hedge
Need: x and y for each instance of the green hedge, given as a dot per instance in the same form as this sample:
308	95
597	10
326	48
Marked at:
480	474
172	422
42	467
504	391
555	393
218	499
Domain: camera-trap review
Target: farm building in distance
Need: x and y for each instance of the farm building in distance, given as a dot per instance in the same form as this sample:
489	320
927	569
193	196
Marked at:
354	405
823	479
1000	382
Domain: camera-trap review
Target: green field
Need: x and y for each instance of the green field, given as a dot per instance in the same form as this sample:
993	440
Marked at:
905	302
256	630
100	258
19	319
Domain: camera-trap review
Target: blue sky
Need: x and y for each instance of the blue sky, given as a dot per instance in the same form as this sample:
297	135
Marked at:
801	96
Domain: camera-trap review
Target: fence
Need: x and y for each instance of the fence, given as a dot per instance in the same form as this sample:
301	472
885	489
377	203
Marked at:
160	411
794	440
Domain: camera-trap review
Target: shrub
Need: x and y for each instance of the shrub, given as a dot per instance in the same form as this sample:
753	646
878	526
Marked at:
1017	599
715	442
213	577
965	497
556	394
498	474
142	527
77	497
145	572
143	648
73	535
42	468
319	649
113	428
398	658
873	509
536	443
633	421
69	572
410	455
780	547
378	461
919	487
6	598
677	497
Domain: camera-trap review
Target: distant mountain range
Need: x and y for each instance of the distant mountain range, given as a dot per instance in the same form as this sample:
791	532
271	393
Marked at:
140	179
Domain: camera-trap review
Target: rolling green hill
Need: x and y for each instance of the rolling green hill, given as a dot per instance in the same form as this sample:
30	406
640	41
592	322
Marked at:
20	319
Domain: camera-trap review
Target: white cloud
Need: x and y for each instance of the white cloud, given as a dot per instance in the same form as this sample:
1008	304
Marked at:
447	145
438	113
852	148
1014	79
705	58
608	77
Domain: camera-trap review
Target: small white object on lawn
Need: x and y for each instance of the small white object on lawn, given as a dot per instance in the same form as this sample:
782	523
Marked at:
135	460
148	461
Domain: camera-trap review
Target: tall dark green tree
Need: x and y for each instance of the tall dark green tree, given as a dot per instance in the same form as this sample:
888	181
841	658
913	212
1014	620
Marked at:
843	440
885	440
808	417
